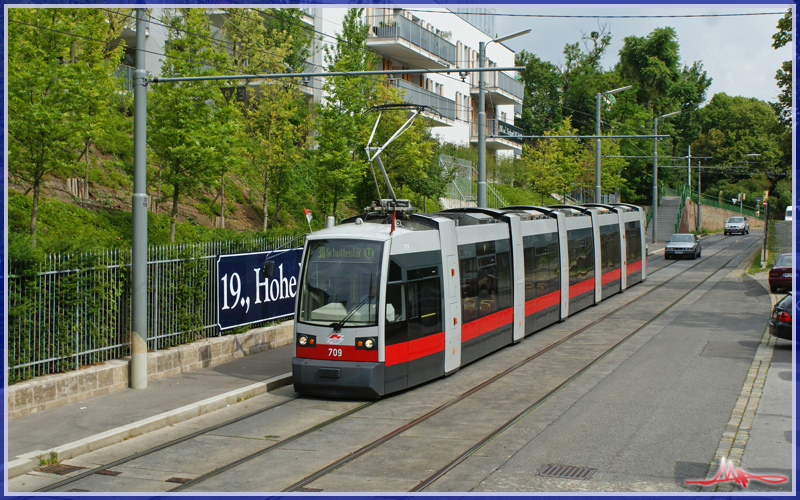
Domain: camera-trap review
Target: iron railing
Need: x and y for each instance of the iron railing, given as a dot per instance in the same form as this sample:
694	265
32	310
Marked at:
398	27
63	316
464	186
414	94
497	80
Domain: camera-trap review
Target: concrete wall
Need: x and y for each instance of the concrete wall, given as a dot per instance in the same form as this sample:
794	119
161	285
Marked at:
713	219
49	391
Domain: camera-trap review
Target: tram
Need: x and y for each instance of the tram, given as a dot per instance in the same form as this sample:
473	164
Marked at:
391	299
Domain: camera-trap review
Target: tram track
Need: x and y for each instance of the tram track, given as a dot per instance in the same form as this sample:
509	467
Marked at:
298	486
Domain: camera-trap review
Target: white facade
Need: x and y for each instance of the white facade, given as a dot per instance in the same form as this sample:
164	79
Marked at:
408	39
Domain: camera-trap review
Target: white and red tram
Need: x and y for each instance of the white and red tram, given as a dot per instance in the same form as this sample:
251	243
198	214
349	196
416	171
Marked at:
385	306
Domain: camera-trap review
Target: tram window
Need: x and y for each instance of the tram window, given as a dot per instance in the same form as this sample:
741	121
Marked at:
424	308
541	265
485	248
395	272
469	289
581	255
504	281
634	238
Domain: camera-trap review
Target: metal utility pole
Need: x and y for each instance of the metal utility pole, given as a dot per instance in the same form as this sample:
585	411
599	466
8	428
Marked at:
654	206
482	116
699	170
689	170
138	377
597	141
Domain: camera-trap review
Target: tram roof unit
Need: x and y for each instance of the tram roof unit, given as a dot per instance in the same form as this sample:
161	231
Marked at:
473	216
530	212
572	210
633	208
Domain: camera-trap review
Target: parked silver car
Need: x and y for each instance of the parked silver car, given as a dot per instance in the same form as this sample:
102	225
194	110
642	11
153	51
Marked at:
682	245
737	225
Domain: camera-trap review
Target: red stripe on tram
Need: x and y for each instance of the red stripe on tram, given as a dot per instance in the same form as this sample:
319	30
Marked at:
543	302
634	266
611	276
486	324
582	287
414	349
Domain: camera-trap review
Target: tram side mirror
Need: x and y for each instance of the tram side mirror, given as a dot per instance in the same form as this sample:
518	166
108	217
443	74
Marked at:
268	268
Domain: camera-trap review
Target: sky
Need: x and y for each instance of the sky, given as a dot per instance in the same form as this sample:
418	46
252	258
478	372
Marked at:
736	52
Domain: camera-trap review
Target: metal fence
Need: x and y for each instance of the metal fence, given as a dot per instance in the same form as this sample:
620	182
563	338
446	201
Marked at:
72	310
464	187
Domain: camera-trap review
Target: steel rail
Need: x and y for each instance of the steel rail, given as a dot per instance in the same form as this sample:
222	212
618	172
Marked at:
461	458
162	446
369	447
360	452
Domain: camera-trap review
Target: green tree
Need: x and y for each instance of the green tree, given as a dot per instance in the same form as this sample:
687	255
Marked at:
276	115
191	127
784	75
541	102
60	74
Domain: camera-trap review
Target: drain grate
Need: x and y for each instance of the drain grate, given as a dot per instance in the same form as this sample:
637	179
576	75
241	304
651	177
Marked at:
309	490
60	469
109	472
77	490
181	480
566	472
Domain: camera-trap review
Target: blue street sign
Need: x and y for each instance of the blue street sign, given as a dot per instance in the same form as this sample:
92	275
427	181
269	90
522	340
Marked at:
245	295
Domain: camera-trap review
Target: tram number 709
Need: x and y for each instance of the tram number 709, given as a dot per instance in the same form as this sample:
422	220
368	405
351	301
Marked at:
336	353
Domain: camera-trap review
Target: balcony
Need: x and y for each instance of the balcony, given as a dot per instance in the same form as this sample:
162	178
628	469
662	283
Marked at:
499	88
406	41
414	94
506	136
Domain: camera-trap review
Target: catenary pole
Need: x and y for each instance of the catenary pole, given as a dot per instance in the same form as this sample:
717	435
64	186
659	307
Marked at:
139	215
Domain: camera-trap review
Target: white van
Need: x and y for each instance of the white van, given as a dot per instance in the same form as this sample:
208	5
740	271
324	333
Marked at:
788	215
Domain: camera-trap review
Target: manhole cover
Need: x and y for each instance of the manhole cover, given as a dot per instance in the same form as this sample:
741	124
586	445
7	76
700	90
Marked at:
109	472
181	480
60	469
566	472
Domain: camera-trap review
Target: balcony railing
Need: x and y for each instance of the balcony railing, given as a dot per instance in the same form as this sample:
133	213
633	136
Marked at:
417	95
405	29
497	80
498	129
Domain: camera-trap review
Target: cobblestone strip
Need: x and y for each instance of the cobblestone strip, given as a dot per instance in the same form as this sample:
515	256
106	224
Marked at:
737	431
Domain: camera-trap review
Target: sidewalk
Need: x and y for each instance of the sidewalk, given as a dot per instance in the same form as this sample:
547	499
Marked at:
86	425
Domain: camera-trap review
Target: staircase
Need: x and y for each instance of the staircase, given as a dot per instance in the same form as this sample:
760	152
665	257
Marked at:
667	214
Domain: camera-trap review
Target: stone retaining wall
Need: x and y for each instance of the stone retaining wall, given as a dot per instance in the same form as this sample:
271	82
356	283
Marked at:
713	218
49	391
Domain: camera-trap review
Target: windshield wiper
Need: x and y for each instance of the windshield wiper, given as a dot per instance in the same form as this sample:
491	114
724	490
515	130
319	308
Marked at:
337	327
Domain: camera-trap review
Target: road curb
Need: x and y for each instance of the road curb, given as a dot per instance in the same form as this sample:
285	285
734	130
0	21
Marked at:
26	463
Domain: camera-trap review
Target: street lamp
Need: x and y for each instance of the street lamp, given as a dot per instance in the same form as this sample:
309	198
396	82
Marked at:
482	116
654	207
597	142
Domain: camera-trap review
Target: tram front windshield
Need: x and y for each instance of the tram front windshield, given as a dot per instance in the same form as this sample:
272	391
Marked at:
340	284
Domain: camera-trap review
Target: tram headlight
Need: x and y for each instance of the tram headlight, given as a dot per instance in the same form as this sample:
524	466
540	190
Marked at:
366	343
306	340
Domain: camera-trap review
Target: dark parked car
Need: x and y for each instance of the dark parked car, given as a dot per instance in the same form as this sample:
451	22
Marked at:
780	276
737	225
780	323
682	244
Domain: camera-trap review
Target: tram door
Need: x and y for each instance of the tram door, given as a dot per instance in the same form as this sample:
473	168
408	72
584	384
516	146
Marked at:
413	325
611	259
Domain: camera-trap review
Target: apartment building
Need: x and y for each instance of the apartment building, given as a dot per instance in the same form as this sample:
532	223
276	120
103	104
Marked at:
415	39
